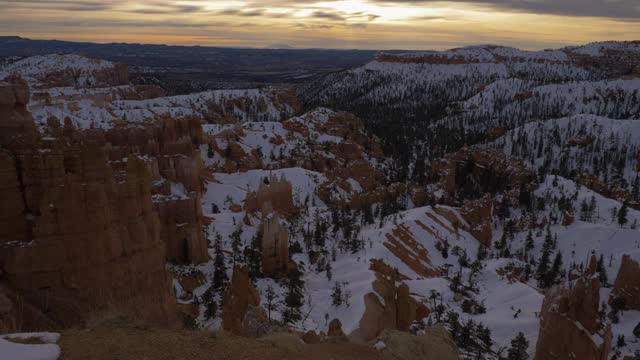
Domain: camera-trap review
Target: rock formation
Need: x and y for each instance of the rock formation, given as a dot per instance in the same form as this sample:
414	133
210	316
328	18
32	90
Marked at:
480	171
335	329
398	311
569	326
238	297
80	231
16	124
181	223
274	244
91	240
276	191
627	284
478	214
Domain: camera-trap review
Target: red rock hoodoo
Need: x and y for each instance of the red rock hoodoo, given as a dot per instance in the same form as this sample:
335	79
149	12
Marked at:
274	244
276	191
569	326
627	284
239	295
398	311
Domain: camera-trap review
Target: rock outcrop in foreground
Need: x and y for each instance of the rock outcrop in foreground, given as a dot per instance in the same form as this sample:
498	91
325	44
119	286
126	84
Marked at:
569	325
435	344
239	296
86	239
89	218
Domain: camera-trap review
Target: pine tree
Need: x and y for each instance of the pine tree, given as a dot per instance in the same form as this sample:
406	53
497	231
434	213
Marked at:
602	272
294	297
368	215
336	295
635	188
236	242
622	215
271	301
592	207
219	268
211	308
519	346
543	266
254	259
584	211
528	244
555	270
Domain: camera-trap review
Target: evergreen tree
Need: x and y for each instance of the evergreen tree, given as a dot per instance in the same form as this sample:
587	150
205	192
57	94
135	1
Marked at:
484	334
617	306
368	215
555	270
294	297
622	215
270	299
219	268
336	295
635	188
545	260
528	244
211	308
585	211
236	243
592	208
602	272
254	259
519	346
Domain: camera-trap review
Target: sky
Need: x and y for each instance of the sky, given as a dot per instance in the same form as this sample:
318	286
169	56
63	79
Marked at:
361	24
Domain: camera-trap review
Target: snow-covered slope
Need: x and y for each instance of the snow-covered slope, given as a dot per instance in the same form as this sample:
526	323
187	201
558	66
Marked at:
604	147
44	70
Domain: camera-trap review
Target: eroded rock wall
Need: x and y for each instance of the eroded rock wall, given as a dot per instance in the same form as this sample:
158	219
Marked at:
569	325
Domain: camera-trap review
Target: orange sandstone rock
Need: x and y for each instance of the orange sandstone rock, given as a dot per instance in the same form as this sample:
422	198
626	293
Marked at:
627	284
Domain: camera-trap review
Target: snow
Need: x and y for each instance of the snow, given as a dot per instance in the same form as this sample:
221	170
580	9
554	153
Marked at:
599	48
48	350
234	187
491	53
36	69
628	322
380	345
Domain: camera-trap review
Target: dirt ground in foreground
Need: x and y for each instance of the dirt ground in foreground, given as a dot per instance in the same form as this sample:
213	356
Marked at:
122	341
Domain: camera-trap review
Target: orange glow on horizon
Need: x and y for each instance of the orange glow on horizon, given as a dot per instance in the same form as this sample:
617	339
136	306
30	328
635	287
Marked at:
369	24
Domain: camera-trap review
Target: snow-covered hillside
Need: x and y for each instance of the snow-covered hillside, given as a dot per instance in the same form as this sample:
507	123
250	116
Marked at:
40	70
604	147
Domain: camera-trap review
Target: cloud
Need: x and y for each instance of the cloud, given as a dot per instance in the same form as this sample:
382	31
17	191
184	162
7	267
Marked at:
250	13
169	9
63	5
327	15
619	9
